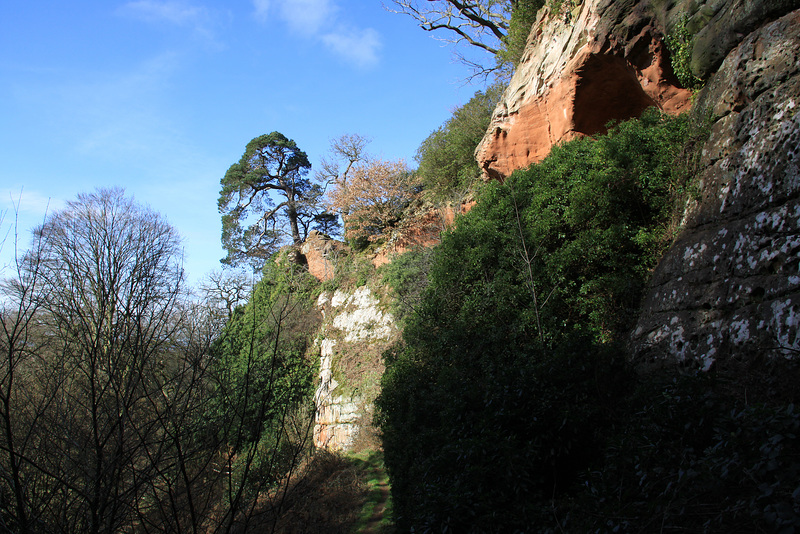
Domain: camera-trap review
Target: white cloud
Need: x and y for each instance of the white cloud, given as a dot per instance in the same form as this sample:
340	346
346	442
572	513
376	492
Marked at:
307	16
359	47
319	20
261	9
174	12
26	202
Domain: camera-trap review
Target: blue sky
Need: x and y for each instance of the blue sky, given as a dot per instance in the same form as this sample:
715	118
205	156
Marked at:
161	97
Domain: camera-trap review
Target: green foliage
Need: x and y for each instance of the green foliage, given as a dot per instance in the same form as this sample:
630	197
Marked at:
686	456
351	270
254	225
407	275
508	377
522	18
261	369
446	158
680	42
571	239
479	441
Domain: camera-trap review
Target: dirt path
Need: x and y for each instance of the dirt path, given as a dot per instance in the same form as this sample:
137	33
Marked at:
378	511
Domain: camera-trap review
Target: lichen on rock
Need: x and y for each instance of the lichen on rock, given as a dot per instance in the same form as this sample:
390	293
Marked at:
730	284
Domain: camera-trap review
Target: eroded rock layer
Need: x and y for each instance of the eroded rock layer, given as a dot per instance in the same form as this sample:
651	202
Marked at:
356	330
730	285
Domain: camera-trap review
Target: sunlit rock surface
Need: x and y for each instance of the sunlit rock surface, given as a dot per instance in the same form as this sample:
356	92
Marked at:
356	330
602	61
321	253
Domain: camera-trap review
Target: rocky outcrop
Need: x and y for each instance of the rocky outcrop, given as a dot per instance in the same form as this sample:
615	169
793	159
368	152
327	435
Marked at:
721	25
730	284
602	61
320	254
420	227
355	333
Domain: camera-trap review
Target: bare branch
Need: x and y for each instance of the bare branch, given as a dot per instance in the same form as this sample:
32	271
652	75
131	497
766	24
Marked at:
346	150
478	23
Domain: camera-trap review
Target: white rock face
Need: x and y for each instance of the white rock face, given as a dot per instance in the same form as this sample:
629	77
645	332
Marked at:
352	318
361	317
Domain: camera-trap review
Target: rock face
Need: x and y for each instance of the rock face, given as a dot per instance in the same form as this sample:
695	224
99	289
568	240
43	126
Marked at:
421	227
320	253
730	284
603	61
355	333
721	25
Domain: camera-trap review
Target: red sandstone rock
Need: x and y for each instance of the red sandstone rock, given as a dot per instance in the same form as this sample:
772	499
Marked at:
321	252
574	78
420	230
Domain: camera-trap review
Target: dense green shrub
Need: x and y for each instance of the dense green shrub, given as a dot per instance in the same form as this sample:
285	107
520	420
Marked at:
480	441
446	158
567	243
261	369
504	389
685	456
509	405
407	275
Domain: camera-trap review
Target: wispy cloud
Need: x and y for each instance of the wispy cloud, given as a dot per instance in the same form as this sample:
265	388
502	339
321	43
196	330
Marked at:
261	10
320	20
182	13
307	16
118	116
26	202
360	47
173	12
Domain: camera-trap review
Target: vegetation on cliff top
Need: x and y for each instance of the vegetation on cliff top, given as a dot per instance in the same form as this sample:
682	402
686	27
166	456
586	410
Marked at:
447	166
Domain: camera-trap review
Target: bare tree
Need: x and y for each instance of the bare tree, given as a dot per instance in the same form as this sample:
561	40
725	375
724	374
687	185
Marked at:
498	28
227	288
111	275
18	346
480	24
373	197
346	151
115	414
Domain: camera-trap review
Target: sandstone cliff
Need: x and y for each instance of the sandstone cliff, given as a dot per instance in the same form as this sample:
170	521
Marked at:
730	284
601	61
